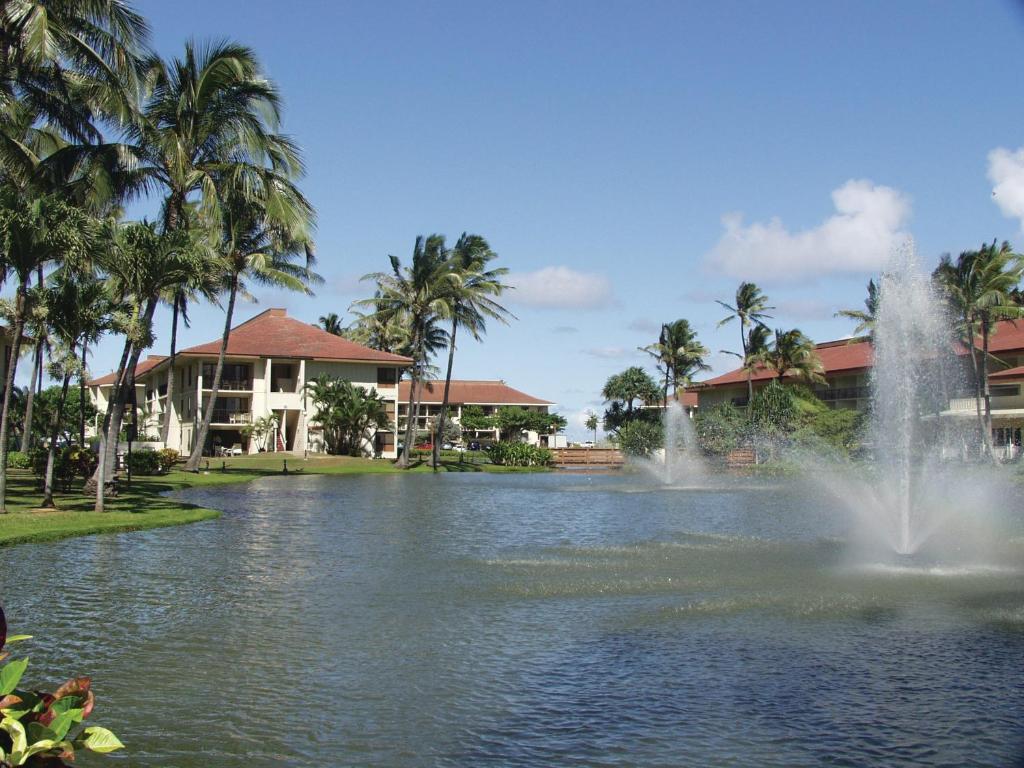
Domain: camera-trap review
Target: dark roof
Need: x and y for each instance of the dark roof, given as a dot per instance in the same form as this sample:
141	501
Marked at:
471	392
841	356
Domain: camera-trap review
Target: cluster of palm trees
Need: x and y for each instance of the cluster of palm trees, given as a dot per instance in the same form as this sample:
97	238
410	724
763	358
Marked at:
418	308
91	120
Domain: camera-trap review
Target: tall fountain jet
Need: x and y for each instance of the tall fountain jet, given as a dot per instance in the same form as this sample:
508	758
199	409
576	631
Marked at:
681	462
913	436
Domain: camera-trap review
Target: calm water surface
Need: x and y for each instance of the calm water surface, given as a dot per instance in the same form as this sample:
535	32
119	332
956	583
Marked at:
526	621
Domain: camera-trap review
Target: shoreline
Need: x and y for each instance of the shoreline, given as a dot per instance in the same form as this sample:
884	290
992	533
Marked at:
147	504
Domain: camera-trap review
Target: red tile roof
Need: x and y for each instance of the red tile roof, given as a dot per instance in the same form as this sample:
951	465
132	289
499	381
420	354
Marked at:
836	357
687	398
1011	373
472	392
273	334
149	363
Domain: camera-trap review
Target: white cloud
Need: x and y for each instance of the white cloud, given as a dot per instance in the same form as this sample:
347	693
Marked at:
859	237
561	288
803	309
563	329
610	353
1006	172
643	325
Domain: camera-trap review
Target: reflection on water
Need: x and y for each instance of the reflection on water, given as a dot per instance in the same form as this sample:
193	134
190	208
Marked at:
528	620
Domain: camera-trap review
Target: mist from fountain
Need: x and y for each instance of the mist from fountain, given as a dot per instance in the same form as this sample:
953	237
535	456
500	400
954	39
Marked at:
680	462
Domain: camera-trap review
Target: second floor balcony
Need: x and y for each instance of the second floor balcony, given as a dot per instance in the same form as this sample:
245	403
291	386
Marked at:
224	416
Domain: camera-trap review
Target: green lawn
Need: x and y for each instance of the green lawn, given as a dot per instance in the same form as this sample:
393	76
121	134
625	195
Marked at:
142	505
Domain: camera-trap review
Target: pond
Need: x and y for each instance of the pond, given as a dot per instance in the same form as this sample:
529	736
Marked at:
526	620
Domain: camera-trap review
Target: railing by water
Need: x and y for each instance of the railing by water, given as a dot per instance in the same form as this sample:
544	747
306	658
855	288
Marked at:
592	457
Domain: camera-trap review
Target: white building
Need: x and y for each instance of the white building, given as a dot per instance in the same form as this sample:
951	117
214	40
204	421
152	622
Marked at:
268	362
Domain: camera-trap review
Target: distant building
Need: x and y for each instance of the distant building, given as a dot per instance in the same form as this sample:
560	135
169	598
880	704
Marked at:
488	395
269	360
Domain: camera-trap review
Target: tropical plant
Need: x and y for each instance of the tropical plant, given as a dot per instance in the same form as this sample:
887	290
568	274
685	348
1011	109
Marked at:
981	289
347	413
44	729
471	304
679	356
591	423
260	430
144	461
865	317
420	294
18	460
721	429
624	391
639	438
473	419
750	309
332	324
520	455
793	354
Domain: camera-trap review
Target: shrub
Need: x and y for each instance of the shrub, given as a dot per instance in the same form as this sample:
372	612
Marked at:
721	428
18	460
520	455
69	462
144	462
43	729
166	459
639	438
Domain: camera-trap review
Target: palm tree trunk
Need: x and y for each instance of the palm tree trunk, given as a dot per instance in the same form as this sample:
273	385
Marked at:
443	415
986	392
115	409
81	396
51	453
410	421
750	372
192	465
26	430
977	390
165	428
19	328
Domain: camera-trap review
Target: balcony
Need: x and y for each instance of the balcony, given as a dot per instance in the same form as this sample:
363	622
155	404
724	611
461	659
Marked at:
231	385
221	416
842	393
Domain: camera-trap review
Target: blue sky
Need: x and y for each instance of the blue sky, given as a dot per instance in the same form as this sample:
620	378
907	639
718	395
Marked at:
632	162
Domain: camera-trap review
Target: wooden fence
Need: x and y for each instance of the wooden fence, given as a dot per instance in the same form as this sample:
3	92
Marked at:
588	457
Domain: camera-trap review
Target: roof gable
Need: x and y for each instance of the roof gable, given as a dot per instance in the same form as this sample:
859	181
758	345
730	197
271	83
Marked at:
472	393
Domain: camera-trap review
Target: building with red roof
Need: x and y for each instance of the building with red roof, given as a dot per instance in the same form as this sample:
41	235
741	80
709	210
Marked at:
269	359
489	396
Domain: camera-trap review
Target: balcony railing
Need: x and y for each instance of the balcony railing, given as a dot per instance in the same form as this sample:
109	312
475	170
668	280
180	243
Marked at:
231	385
842	393
231	417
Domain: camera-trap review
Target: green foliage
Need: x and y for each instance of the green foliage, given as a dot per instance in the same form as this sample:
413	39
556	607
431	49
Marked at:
512	420
721	428
773	411
18	460
639	438
144	461
166	459
44	729
473	418
841	429
261	430
69	462
347	413
520	455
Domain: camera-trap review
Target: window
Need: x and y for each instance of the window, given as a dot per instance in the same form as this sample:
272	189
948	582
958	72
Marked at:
387	377
1005	390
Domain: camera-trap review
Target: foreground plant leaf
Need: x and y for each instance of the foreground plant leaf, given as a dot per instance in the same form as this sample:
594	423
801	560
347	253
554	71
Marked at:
100	740
11	674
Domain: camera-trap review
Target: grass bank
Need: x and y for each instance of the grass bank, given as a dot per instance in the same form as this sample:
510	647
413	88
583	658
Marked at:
144	505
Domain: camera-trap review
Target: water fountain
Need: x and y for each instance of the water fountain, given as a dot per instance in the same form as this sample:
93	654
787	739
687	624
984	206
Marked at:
680	462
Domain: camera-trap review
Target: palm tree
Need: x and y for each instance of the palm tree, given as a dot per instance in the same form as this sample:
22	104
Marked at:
379	330
679	356
332	324
260	242
142	263
591	424
38	230
750	309
470	306
980	288
421	295
793	354
865	317
347	413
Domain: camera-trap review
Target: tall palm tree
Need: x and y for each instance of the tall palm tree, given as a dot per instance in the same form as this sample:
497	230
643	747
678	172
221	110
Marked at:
421	294
679	356
470	306
865	317
141	263
332	324
751	310
37	231
793	354
379	329
260	244
981	289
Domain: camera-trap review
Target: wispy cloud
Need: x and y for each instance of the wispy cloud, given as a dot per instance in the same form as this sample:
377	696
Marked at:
643	325
1006	172
561	288
867	226
610	353
563	329
803	309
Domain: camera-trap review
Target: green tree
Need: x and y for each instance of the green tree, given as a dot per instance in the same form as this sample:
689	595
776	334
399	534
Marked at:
420	295
591	424
347	413
474	289
332	324
865	317
639	438
793	354
981	289
624	391
679	356
750	309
